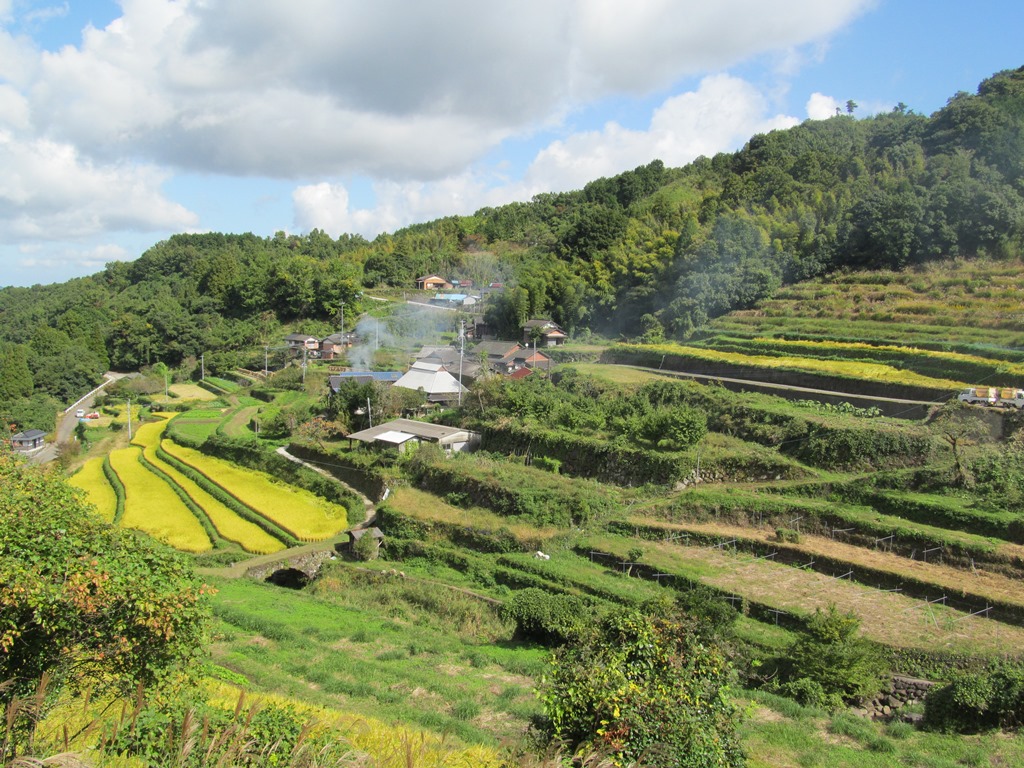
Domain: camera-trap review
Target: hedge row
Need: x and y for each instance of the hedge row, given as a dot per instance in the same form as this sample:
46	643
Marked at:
204	520
588	456
501	540
860	526
223	496
118	486
368	479
513	490
946	513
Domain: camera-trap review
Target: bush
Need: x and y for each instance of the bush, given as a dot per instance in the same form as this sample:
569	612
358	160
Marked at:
978	701
645	691
831	656
546	618
366	548
787	535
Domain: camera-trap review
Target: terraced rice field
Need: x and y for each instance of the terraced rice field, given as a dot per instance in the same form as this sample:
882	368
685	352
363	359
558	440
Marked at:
301	513
888	618
90	478
150	505
229	525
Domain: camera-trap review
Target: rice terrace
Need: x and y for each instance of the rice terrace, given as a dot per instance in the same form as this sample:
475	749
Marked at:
720	465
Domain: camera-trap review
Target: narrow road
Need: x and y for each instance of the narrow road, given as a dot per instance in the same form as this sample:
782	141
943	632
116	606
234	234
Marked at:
66	423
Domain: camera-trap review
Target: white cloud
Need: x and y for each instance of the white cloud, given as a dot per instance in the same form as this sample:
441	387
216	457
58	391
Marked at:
48	191
719	116
822	107
410	95
394	89
327	206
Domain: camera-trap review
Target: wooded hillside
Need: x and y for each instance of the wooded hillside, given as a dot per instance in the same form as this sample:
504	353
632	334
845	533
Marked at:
652	253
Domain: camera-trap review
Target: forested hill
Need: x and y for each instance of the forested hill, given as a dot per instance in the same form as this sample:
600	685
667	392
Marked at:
649	252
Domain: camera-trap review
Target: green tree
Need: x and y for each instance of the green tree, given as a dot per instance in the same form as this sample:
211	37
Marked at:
15	375
960	427
84	602
832	664
643	690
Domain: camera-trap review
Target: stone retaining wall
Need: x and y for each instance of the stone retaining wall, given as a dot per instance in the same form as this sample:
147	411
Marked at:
902	691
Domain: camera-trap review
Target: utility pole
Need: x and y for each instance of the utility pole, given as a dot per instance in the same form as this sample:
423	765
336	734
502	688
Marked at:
369	412
304	364
462	353
129	401
202	367
266	355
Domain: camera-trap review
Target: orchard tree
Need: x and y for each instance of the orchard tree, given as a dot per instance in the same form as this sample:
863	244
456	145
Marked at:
83	602
960	426
643	690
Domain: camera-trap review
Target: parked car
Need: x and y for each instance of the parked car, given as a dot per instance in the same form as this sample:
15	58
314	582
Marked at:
80	413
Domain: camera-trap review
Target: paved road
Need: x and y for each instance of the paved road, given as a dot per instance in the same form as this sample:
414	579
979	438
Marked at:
66	423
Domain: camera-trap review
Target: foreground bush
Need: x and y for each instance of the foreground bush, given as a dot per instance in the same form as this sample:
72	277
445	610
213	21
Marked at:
83	601
646	691
979	701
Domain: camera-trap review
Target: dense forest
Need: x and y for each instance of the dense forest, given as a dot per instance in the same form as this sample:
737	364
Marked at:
649	254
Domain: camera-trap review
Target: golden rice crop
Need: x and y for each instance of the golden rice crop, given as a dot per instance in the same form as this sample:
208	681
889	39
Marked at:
388	745
1014	368
846	368
305	515
90	478
148	435
151	506
229	525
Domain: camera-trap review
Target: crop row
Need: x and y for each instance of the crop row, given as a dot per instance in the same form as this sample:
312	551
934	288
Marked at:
673	356
298	512
151	506
934	364
178	504
222	521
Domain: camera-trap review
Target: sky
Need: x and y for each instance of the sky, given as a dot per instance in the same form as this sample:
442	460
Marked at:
123	123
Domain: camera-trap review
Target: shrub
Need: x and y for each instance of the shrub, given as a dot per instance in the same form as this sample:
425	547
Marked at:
833	658
787	535
646	691
546	618
978	701
366	548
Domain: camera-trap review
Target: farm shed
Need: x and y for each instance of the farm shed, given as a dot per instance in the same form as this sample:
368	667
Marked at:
28	440
356	534
432	283
401	433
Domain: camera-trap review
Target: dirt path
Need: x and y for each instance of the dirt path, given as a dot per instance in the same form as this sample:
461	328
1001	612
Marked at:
368	505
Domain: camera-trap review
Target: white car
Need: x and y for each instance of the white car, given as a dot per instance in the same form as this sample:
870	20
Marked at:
80	413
